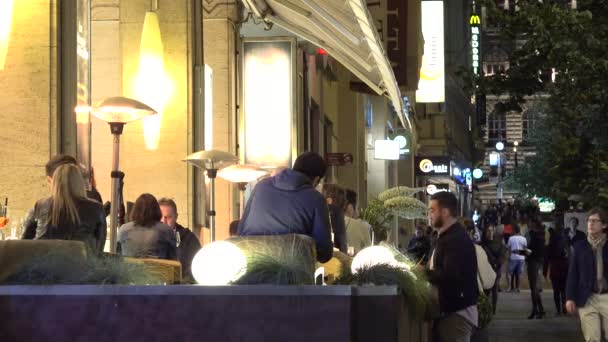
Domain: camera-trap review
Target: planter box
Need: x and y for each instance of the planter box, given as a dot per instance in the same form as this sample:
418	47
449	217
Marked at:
198	313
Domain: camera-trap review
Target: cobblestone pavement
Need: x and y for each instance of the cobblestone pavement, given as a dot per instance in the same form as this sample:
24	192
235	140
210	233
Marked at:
511	323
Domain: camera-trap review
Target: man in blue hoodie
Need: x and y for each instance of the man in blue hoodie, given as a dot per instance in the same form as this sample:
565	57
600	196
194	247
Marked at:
289	204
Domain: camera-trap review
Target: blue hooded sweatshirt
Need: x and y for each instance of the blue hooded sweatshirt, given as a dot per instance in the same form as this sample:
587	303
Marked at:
288	204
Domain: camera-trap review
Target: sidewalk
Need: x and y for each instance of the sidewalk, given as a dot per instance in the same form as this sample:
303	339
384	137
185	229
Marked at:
511	323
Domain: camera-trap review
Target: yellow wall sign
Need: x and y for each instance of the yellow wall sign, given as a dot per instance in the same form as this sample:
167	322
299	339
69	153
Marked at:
475	43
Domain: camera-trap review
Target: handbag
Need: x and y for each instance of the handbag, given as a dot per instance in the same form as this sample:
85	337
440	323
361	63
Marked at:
486	276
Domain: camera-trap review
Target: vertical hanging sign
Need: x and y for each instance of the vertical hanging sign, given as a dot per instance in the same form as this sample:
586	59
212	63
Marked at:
475	23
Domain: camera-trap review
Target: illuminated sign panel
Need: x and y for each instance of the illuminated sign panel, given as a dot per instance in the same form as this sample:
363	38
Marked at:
431	166
431	87
475	23
386	150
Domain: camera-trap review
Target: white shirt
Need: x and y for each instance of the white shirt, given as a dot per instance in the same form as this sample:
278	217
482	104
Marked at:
517	242
358	233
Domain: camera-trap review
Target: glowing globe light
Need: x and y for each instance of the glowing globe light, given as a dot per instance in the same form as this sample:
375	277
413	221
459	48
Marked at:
218	263
500	146
374	255
477	173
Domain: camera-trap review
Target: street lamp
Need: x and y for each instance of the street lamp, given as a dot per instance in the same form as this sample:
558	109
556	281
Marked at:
211	161
500	146
118	111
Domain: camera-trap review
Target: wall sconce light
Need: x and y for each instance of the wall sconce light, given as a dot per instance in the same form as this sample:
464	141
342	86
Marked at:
152	86
6	18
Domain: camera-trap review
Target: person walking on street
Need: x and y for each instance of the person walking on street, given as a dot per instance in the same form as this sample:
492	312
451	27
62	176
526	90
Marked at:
535	260
516	245
497	252
586	288
556	267
452	269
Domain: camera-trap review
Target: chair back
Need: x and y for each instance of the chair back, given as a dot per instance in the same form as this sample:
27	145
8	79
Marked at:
170	271
57	257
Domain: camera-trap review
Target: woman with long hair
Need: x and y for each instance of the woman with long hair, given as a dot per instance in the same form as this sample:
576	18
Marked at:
145	236
497	252
68	214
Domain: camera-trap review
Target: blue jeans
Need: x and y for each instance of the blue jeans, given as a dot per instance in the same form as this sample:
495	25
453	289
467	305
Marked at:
516	267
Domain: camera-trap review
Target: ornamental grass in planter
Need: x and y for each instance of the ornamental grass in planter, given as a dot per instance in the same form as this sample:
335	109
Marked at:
62	269
412	286
265	269
277	259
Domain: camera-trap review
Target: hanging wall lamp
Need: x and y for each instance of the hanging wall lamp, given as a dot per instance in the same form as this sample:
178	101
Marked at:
152	86
6	16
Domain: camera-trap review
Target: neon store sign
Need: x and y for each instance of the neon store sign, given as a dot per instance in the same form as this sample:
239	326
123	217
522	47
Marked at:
475	23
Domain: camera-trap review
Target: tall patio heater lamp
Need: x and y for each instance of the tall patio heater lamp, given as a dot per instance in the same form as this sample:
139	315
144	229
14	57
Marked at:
118	111
241	174
212	161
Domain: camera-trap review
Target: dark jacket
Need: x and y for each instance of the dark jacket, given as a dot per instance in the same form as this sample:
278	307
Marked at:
157	241
91	230
582	272
455	270
288	204
578	236
537	246
496	251
556	257
338	227
188	246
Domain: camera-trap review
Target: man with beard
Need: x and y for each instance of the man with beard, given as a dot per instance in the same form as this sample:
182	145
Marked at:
452	269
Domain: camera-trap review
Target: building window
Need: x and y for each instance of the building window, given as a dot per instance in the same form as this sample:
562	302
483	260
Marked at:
528	123
495	61
506	4
497	127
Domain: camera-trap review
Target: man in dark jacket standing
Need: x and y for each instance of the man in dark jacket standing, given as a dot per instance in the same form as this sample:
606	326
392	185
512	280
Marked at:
187	243
452	269
289	204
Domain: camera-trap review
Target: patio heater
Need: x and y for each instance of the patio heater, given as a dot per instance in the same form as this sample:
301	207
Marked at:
118	111
241	174
211	161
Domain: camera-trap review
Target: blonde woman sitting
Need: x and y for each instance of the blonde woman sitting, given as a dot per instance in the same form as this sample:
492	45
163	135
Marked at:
68	214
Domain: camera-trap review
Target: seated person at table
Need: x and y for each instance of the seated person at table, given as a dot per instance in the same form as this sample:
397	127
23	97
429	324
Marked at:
50	167
358	232
289	204
68	214
145	236
188	244
336	202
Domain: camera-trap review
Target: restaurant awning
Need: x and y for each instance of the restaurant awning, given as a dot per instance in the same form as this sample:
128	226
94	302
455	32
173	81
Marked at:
344	29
